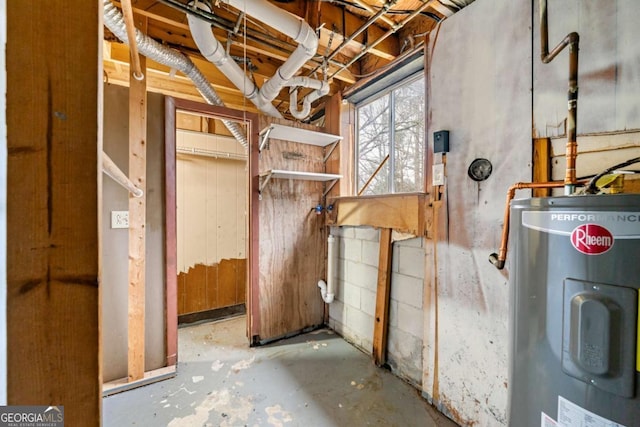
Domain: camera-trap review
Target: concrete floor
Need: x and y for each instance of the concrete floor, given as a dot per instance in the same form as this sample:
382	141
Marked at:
315	379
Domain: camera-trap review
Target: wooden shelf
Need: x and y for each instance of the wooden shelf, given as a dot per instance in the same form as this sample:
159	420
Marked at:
299	175
303	136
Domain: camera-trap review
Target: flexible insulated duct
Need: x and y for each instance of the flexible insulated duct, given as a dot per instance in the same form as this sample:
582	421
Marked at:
150	48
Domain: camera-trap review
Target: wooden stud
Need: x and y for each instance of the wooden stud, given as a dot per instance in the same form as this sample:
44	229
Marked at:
381	321
54	102
137	221
541	165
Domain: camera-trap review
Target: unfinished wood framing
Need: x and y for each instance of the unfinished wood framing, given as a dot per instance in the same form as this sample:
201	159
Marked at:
407	213
541	165
137	222
54	104
172	106
340	118
383	292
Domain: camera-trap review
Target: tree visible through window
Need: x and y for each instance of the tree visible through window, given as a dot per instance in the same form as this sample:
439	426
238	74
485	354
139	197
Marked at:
393	126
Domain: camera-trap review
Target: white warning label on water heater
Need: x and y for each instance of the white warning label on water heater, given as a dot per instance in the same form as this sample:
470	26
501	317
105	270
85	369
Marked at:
572	415
547	421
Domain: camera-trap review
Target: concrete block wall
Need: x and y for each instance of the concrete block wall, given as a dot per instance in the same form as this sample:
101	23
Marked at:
352	312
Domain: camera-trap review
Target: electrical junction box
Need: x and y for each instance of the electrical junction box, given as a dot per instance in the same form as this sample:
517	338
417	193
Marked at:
441	141
119	219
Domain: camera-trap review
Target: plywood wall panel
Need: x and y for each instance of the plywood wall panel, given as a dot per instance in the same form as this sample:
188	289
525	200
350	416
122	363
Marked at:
479	89
292	247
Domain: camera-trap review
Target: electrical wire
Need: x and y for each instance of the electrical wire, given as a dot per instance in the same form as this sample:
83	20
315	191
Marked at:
592	188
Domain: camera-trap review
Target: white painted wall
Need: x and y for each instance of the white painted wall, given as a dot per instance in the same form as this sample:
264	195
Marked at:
211	196
608	78
3	206
352	312
480	90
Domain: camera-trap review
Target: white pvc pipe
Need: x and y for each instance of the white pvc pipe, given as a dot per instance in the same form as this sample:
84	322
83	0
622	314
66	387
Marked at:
114	172
213	50
327	290
150	48
308	100
293	27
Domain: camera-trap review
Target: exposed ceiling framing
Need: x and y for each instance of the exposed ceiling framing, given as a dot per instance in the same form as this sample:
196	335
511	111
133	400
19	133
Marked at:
356	38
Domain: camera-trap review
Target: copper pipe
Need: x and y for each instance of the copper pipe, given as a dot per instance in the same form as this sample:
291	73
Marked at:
499	259
127	11
572	40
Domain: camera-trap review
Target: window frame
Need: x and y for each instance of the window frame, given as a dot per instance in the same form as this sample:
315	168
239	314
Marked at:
390	92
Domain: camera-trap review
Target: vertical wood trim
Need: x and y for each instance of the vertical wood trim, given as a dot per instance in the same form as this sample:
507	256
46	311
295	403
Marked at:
137	221
428	143
381	321
253	254
170	232
54	86
541	165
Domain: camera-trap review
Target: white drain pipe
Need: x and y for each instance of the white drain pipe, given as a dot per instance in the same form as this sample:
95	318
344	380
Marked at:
327	290
213	50
298	30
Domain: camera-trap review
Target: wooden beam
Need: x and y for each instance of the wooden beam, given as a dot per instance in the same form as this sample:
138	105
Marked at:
178	34
541	165
383	292
407	213
137	220
54	101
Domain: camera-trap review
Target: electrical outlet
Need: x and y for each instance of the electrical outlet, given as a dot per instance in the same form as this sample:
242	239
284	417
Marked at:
119	219
438	174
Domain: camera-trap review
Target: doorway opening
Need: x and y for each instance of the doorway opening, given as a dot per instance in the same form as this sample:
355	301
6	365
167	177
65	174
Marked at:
212	187
209	204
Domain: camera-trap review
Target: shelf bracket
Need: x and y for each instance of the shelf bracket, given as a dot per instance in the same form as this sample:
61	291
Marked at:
264	137
264	183
333	147
329	187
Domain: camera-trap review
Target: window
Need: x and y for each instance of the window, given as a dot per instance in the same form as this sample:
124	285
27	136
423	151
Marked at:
392	125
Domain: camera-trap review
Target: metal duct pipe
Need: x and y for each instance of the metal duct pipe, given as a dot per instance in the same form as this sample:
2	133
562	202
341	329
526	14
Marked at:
289	25
211	49
113	171
150	48
572	40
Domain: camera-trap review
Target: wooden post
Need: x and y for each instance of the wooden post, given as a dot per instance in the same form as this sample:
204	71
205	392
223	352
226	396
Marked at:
137	220
381	323
54	102
541	165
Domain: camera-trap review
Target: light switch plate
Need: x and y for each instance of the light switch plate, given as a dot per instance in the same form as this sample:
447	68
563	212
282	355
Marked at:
438	174
119	219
